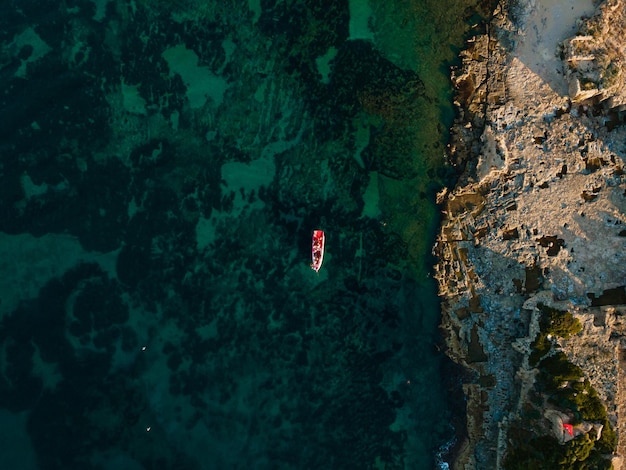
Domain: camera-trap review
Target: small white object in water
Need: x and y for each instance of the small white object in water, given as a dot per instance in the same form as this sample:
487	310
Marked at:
148	428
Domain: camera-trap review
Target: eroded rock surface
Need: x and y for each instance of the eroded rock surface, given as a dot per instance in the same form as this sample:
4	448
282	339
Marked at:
594	57
538	217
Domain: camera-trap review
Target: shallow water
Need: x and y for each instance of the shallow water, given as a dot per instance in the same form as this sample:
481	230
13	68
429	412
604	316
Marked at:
163	166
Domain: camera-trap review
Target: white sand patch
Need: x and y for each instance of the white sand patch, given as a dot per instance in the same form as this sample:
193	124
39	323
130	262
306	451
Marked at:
323	64
33	190
30	188
48	372
360	14
548	22
202	84
362	136
27	263
132	100
249	176
101	8
259	94
255	7
28	37
245	180
229	49
371	197
206	232
208	331
17	449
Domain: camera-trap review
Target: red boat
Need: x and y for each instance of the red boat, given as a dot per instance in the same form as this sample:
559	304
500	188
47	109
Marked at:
317	249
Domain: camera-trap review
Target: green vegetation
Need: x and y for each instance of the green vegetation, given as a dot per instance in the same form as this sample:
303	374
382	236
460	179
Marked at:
545	453
561	384
556	371
532	452
558	323
555	323
540	347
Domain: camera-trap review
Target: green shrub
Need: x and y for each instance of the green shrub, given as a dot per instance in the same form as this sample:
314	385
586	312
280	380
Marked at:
560	380
536	453
582	399
558	323
557	369
590	406
552	322
540	347
607	444
545	453
578	449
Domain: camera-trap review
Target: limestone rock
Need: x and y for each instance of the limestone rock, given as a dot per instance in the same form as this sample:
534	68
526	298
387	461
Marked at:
594	59
538	216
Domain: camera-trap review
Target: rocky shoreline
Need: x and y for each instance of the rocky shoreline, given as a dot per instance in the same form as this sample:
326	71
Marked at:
537	220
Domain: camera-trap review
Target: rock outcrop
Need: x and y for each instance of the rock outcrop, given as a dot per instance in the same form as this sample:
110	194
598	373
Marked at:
594	57
538	217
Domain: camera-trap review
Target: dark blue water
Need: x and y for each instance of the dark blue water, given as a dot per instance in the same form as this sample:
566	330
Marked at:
163	165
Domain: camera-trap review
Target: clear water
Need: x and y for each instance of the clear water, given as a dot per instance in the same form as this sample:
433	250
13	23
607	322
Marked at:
163	166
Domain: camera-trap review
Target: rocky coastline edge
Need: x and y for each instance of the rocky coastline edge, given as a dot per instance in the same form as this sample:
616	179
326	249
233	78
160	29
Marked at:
536	224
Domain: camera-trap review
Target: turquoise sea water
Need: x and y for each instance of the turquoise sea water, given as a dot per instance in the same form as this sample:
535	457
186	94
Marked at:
163	164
